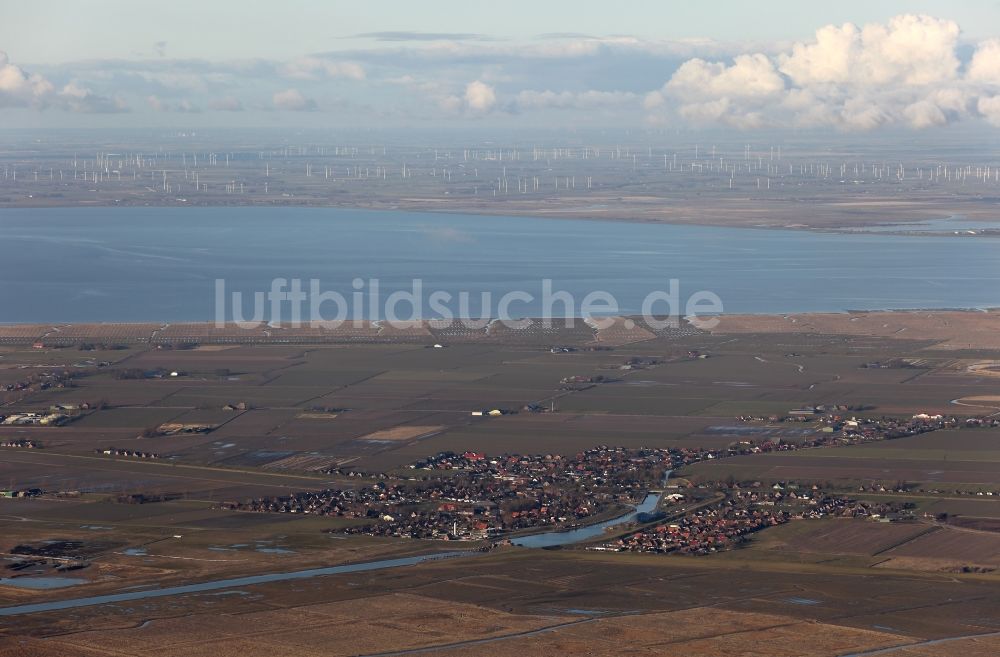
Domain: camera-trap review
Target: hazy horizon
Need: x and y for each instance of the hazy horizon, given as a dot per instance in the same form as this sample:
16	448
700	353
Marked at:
851	68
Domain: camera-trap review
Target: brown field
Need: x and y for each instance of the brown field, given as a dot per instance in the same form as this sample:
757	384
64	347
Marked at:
406	388
376	400
651	604
842	536
942	459
390	622
402	433
807	467
953	544
948	330
409	622
687	633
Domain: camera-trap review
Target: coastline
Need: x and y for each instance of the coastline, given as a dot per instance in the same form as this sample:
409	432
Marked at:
952	328
700	215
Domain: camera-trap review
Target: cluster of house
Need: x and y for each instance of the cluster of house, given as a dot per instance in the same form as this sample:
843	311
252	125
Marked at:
56	414
577	380
143	498
20	493
30	419
471	495
887	428
601	463
836	427
134	453
178	428
21	443
41	381
138	373
481	496
389	509
701	532
979	492
744	511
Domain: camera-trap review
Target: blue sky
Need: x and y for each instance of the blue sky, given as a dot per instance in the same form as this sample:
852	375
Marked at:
41	32
542	63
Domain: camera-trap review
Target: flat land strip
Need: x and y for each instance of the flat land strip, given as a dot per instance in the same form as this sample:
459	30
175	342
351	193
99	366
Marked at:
143	506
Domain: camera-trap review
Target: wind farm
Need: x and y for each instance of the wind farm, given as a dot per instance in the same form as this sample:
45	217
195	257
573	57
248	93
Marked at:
809	182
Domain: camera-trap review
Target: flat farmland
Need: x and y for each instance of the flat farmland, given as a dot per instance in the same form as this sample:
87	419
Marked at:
963	457
103	389
971	507
241	360
562	433
98	474
640	399
813	467
954	545
128	417
947	330
965	444
207	395
392	622
300	376
329	400
588	603
838	536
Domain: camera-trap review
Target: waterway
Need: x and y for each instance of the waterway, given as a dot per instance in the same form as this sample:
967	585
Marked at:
235	582
589	532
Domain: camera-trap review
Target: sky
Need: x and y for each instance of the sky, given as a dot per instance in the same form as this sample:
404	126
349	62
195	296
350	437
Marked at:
848	66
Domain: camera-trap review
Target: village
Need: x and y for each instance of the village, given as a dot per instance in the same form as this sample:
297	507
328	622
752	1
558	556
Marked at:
747	508
473	496
132	453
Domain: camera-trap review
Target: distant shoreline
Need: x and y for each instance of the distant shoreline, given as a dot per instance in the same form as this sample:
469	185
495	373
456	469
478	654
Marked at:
957	328
625	214
578	318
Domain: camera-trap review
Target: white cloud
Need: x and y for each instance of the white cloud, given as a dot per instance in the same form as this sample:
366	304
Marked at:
904	72
910	70
985	64
225	104
76	98
19	89
909	50
477	99
182	80
450	104
311	68
480	97
530	99
292	100
924	114
556	47
989	107
749	76
157	104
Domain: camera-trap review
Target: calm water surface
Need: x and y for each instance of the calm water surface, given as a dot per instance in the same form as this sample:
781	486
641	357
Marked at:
161	264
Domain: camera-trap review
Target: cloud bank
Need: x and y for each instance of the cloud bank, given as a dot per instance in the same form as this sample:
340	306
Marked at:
913	71
20	89
292	100
905	72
